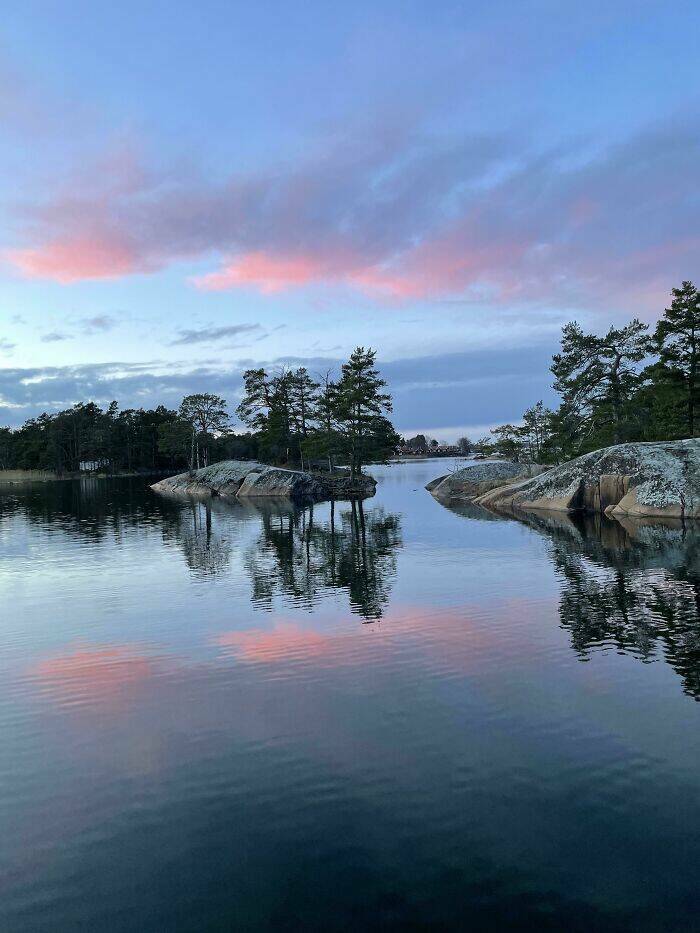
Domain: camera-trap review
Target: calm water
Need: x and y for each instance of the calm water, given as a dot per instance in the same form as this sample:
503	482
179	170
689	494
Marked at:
400	717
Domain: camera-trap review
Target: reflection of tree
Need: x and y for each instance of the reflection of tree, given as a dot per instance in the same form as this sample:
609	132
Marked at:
636	588
353	549
91	507
206	550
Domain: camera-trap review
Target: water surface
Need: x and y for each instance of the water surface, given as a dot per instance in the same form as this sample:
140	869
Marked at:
399	716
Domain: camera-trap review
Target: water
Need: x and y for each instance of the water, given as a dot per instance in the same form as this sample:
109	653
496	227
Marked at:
400	717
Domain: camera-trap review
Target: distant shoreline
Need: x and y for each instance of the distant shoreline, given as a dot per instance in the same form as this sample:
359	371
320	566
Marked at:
17	477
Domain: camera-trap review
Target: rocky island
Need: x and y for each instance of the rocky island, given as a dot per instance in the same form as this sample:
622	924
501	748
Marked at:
248	479
653	480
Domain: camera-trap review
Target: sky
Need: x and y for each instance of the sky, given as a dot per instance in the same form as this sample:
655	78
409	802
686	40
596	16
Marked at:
187	190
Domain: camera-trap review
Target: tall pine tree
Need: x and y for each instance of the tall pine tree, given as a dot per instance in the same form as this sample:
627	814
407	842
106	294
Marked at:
361	408
596	377
678	340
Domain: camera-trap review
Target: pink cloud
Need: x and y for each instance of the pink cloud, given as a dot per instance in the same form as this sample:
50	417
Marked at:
269	274
74	260
266	273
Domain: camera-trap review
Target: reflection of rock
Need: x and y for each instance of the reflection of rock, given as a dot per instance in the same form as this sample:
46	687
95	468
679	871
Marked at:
472	481
659	479
241	479
633	586
354	550
434	483
468	510
628	584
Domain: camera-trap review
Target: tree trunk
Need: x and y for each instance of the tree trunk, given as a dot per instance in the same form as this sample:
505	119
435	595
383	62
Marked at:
691	391
616	400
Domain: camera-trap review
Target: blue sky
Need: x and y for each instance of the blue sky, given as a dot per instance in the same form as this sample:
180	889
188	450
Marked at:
187	189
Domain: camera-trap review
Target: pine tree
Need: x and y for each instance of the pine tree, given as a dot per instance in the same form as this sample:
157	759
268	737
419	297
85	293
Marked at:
302	401
206	413
536	430
326	438
678	340
597	376
361	410
254	408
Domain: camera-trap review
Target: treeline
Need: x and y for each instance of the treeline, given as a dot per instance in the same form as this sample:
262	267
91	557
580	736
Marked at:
631	384
422	446
111	441
291	418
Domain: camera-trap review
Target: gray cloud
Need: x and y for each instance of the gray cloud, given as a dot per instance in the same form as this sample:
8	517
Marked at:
214	334
6	346
87	327
98	324
473	387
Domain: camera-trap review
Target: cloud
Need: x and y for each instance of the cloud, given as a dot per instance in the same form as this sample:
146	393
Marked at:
98	324
6	346
268	274
399	216
76	259
471	387
214	334
88	326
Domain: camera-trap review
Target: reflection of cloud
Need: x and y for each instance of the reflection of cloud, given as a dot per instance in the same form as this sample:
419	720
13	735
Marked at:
95	674
450	639
286	641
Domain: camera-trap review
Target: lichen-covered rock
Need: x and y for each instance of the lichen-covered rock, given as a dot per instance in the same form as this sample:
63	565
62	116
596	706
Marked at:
654	479
241	479
472	481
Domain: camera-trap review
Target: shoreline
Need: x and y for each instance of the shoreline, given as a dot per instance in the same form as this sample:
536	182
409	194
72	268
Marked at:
19	477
